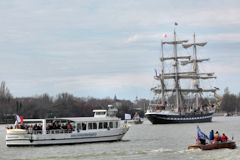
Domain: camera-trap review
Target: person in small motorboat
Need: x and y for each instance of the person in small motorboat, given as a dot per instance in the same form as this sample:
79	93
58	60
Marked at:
211	135
224	138
217	137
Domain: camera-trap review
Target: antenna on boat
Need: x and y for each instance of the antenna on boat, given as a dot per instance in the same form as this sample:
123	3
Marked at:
175	25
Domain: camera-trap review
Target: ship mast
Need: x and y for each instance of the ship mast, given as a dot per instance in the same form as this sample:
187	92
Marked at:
195	67
176	68
176	74
196	83
162	76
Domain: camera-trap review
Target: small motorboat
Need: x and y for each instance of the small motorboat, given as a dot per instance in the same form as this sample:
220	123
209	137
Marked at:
218	145
135	120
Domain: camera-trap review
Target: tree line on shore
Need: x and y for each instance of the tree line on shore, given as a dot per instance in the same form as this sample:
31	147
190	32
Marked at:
230	102
63	105
66	105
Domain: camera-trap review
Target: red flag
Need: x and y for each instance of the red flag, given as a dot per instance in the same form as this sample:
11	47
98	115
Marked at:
164	35
21	119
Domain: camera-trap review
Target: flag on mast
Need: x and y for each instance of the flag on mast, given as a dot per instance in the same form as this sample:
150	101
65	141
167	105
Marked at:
19	119
164	35
200	134
127	116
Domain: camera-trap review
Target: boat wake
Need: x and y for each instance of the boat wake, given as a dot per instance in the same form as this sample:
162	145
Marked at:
161	150
189	151
172	151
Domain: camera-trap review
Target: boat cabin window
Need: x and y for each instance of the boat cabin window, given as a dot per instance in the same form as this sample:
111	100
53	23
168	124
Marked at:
100	125
89	125
83	126
105	124
92	125
79	126
95	125
100	113
111	124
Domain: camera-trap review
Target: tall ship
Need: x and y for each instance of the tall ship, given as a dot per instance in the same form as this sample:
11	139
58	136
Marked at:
175	102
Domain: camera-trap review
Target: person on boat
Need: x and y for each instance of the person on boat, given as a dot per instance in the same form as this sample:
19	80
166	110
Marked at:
217	137
211	135
69	126
224	138
35	127
30	129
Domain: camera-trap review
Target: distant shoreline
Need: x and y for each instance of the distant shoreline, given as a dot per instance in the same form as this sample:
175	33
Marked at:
225	114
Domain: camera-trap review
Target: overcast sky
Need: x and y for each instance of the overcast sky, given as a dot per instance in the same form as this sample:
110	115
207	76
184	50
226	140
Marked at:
100	48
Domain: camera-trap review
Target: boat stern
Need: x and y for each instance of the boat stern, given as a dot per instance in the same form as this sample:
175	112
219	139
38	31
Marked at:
17	137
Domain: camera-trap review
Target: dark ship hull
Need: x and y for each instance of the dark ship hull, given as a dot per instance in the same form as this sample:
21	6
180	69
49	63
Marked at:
156	118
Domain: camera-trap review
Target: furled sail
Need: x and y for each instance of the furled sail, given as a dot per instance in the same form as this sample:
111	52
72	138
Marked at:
192	44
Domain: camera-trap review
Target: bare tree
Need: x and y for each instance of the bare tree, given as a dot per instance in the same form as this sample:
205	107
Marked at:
5	94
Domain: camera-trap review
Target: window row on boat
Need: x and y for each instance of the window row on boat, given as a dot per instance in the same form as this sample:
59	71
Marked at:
58	126
97	125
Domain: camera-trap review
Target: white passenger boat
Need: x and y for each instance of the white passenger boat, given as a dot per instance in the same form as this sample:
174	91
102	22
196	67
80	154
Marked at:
102	127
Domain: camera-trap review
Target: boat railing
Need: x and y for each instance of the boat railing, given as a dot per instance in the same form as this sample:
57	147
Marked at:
52	131
156	107
59	131
36	132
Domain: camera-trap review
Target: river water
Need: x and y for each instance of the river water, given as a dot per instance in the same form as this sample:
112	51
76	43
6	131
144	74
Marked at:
142	142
